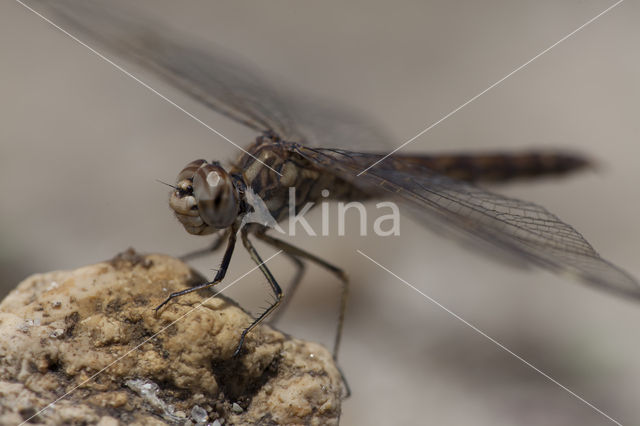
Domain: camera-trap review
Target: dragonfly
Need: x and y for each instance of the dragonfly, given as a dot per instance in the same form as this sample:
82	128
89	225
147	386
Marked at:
292	150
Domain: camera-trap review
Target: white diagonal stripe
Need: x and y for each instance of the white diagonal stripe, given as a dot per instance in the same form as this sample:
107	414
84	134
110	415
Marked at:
494	84
127	73
494	341
149	338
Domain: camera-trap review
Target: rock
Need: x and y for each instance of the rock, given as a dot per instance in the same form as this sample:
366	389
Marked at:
89	340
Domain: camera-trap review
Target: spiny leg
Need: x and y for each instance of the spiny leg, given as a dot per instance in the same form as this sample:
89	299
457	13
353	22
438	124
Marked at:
277	291
293	286
297	252
217	243
226	259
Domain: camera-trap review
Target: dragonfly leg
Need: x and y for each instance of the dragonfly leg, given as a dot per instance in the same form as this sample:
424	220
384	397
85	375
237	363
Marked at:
297	252
226	259
293	286
277	291
217	243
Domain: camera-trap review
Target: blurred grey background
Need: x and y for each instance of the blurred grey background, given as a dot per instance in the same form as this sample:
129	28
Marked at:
82	144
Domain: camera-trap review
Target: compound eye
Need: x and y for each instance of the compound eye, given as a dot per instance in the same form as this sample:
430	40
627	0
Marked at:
190	169
215	195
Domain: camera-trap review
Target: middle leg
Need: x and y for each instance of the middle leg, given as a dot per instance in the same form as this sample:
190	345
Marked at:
297	252
293	286
277	291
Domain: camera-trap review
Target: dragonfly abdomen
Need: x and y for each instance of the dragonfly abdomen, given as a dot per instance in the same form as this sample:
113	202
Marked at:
497	167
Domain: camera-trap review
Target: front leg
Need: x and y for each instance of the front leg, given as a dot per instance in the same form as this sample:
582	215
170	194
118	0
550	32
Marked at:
226	259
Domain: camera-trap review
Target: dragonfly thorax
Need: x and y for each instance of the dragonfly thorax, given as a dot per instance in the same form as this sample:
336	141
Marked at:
205	199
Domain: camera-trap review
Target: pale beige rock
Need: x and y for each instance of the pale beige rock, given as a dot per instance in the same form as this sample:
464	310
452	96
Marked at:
91	335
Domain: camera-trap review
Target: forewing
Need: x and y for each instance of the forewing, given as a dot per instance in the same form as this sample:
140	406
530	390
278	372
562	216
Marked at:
225	85
519	227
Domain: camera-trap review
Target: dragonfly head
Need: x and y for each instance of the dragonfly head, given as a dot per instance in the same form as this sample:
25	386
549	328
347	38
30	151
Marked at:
204	199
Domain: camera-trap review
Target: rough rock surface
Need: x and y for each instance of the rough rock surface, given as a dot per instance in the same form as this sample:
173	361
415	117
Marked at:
91	338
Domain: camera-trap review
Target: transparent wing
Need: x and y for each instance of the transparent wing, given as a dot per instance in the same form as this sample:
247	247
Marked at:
225	85
519	227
